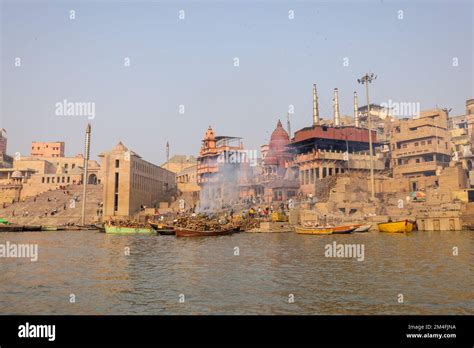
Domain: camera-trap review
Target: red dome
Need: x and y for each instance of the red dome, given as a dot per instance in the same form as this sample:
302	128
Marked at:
277	152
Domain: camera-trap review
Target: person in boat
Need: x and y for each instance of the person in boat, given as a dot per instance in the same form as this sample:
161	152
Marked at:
389	219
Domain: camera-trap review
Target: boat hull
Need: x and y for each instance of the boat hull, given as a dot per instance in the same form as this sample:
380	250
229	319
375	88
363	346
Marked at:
182	232
11	228
163	230
404	226
309	230
363	228
128	230
49	228
346	230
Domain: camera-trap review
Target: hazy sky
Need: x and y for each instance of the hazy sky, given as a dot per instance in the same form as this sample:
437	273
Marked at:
190	62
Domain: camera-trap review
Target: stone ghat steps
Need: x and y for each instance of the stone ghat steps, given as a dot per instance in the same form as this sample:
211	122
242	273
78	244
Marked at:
57	200
467	214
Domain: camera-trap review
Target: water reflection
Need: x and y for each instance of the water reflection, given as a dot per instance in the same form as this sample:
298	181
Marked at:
95	268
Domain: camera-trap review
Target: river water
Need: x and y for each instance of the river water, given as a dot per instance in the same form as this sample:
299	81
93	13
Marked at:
269	272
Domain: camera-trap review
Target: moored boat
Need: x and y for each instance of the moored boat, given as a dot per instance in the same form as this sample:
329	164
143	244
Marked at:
128	230
344	229
11	228
162	229
32	228
403	226
49	228
313	230
184	232
363	228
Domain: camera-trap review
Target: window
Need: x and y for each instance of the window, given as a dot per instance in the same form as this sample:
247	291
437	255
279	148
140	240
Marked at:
117	163
416	144
429	142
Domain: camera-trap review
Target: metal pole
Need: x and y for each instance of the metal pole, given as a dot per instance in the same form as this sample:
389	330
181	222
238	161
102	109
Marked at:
84	179
372	180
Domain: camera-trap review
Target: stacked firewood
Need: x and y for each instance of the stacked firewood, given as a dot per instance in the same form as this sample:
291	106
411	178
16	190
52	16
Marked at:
127	223
201	223
248	224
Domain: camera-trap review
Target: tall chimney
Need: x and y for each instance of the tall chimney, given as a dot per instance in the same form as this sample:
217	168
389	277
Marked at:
356	110
315	106
337	118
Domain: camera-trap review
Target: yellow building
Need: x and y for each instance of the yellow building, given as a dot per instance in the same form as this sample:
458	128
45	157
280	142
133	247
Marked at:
131	183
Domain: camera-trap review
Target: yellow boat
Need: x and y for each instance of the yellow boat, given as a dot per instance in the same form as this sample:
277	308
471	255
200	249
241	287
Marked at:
313	230
403	226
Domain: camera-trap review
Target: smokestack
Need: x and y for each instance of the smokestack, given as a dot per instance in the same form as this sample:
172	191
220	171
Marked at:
356	110
337	118
167	151
315	106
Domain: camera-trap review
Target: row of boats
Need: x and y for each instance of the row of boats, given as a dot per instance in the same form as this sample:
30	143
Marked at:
404	226
164	229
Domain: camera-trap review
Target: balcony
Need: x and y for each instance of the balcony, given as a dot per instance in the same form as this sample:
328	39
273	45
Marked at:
420	150
427	132
418	167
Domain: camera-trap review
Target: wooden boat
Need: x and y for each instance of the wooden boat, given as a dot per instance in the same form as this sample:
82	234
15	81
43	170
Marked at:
128	230
49	228
32	228
162	229
184	232
363	228
343	230
11	228
403	226
313	230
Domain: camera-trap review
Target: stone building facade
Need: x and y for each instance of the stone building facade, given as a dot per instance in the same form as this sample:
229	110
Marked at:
131	183
47	149
420	146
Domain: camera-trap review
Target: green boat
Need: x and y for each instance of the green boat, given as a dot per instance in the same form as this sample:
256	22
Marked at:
129	230
4	222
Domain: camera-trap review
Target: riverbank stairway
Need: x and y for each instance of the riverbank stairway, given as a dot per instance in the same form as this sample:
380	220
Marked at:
61	203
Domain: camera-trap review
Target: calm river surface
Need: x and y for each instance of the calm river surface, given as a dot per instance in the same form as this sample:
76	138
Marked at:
93	266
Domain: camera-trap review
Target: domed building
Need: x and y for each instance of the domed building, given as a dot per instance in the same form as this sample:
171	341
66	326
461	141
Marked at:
278	186
274	162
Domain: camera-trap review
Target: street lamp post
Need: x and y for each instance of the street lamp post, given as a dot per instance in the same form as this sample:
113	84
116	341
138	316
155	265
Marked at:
85	174
366	79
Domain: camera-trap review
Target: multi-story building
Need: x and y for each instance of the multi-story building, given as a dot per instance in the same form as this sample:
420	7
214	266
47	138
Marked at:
462	136
218	169
3	142
50	173
47	149
5	160
131	183
420	146
178	163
